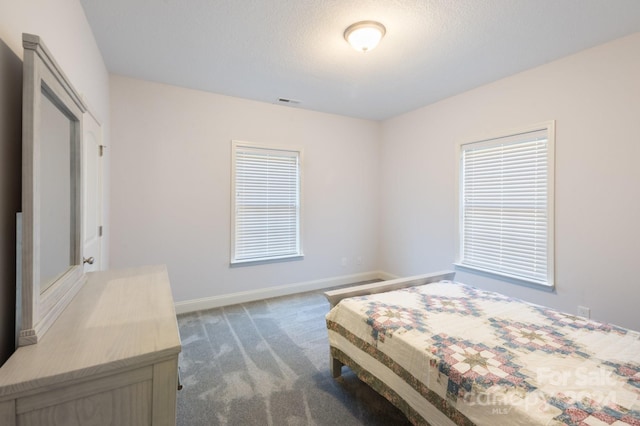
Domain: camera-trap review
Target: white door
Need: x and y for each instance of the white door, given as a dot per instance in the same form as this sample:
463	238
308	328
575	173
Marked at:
92	197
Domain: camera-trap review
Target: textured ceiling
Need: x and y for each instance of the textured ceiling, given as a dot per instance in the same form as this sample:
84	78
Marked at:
270	49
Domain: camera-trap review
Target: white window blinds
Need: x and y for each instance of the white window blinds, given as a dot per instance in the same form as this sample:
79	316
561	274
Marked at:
266	192
506	206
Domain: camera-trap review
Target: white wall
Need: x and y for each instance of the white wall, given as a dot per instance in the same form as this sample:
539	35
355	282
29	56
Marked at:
171	181
170	190
594	96
65	30
63	26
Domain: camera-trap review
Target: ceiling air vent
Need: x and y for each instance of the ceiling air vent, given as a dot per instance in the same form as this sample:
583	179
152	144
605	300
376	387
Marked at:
287	101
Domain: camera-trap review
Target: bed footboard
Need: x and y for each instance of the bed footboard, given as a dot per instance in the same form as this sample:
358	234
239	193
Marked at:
335	296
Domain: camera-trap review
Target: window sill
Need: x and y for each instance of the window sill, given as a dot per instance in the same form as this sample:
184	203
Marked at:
550	287
263	261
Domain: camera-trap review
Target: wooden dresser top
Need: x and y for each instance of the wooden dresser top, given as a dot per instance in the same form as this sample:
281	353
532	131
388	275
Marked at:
118	320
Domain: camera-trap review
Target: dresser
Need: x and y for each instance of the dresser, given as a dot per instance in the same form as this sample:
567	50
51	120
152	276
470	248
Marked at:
111	358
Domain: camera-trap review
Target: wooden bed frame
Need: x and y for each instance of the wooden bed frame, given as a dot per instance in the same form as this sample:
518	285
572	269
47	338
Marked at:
335	296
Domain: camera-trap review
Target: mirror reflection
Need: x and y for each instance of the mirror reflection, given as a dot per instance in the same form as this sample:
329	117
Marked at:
55	192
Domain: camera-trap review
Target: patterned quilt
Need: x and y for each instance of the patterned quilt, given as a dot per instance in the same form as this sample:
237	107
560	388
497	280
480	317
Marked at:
483	358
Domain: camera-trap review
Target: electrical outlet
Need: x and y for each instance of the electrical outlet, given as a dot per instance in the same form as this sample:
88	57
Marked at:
359	260
344	261
583	311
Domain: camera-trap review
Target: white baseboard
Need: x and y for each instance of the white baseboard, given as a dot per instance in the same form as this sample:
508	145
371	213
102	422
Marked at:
282	290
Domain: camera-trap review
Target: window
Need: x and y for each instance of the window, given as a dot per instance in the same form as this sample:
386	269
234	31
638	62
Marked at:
506	205
266	203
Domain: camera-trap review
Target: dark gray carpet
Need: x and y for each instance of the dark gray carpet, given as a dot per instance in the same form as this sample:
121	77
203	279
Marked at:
267	363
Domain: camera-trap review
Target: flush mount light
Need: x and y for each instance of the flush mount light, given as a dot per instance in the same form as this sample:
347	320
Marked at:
364	35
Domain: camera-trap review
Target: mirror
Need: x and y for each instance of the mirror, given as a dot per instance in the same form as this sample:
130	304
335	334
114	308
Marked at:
55	193
52	270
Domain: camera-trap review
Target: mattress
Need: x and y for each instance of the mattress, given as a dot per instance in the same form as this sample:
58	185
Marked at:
448	353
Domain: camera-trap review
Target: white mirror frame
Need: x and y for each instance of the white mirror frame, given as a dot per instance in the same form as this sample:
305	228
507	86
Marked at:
40	309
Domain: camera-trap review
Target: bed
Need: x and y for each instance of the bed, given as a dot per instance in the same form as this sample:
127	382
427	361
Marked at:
446	353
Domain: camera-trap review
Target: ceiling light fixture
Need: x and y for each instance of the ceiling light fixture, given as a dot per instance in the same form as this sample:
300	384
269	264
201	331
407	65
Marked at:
364	35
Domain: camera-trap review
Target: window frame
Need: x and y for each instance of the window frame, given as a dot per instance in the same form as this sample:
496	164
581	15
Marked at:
549	281
299	254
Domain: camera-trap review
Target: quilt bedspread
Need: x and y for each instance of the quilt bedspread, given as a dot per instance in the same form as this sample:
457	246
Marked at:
484	358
